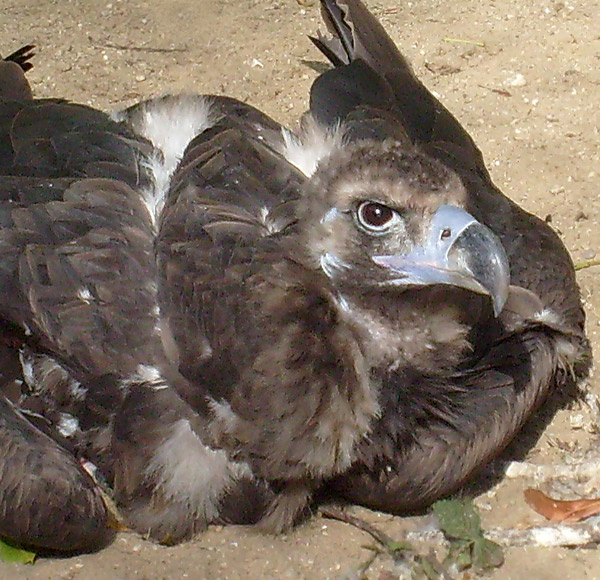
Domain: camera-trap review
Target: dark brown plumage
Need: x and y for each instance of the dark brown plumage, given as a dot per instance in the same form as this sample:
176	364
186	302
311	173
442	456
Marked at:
47	500
13	84
226	317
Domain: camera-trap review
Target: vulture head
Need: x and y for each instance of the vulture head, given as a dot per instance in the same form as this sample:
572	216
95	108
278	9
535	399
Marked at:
384	217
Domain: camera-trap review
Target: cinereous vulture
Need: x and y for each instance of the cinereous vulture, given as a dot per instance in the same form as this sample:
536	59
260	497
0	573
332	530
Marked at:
220	318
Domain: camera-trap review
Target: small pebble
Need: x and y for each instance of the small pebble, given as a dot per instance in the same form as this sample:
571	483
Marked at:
588	255
577	421
518	80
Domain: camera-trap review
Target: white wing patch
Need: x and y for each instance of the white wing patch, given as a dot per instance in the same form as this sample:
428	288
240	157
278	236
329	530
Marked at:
85	295
170	123
68	425
189	472
147	375
314	143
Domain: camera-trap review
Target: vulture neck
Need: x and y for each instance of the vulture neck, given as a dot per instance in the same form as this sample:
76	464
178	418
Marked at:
426	329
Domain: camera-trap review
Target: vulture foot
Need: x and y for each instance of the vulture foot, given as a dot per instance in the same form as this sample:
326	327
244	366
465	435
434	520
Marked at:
286	510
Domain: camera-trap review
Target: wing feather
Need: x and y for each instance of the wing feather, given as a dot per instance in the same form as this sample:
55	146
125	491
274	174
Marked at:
82	275
233	193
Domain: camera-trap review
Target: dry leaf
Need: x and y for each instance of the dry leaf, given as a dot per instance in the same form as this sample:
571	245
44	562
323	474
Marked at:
561	511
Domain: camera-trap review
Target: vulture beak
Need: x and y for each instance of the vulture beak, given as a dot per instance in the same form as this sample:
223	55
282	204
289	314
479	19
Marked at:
459	251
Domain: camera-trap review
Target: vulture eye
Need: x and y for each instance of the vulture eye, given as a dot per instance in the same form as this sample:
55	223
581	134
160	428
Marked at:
375	217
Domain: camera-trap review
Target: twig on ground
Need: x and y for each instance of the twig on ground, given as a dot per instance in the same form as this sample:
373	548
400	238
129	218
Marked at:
464	41
341	516
364	567
502	92
388	544
139	48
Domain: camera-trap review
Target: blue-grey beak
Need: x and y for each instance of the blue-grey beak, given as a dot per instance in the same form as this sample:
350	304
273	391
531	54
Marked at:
459	251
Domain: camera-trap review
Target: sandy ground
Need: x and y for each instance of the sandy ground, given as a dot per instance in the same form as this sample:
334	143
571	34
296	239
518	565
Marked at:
521	76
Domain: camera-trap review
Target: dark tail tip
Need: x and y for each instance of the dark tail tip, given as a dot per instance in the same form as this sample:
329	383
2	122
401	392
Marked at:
48	502
22	57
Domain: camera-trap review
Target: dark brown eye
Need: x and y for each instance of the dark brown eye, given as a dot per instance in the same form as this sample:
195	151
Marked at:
374	216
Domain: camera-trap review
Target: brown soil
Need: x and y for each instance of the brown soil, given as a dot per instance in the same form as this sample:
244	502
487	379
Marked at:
521	76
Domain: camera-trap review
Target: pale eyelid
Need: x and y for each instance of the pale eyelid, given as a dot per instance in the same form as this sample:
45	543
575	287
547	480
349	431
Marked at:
397	219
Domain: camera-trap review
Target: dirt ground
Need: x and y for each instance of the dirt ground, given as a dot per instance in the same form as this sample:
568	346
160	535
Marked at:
521	76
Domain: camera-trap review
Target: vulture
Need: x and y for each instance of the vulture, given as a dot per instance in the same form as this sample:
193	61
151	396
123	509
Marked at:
214	319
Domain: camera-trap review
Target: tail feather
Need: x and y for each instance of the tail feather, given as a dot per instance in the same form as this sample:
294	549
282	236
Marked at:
34	472
22	57
13	84
358	36
361	35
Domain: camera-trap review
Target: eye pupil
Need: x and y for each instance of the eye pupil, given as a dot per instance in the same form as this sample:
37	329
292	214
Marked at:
375	216
446	233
